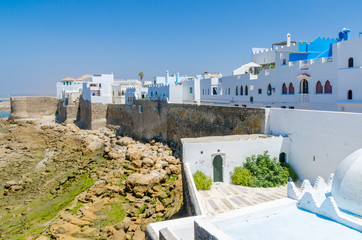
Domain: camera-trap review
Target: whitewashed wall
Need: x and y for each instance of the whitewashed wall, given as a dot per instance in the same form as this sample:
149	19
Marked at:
319	140
199	155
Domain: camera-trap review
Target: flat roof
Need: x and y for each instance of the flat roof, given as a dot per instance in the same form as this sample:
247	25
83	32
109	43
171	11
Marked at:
227	138
290	222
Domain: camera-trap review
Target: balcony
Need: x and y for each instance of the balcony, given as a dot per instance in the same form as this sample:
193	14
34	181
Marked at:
304	98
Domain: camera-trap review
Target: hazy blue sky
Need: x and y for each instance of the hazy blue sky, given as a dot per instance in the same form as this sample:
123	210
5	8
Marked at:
42	42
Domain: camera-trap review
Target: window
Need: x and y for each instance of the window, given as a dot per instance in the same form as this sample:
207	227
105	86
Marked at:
282	157
214	91
156	93
284	89
228	91
350	62
241	91
291	107
243	105
151	94
190	90
349	95
269	91
122	93
283	107
208	91
304	87
100	85
251	99
284	61
260	91
319	87
246	90
203	91
112	93
119	93
291	88
236	91
327	87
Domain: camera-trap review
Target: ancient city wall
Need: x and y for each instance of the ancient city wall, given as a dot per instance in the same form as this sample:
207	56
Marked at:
67	114
171	122
91	115
33	107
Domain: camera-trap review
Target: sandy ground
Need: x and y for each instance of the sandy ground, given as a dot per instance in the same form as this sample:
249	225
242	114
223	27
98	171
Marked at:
5	106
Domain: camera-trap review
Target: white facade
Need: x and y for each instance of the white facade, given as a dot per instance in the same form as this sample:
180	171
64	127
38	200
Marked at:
200	153
133	93
98	88
70	89
327	78
120	87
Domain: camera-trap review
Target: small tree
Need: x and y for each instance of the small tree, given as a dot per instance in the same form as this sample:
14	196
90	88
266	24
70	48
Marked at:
141	75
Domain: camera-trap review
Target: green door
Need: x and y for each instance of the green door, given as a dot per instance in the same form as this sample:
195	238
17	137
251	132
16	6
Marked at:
217	164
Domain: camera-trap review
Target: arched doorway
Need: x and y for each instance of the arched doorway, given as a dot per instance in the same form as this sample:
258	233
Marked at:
283	157
304	87
217	166
349	95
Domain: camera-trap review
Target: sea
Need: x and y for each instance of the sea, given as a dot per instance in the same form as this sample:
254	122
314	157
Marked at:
4	114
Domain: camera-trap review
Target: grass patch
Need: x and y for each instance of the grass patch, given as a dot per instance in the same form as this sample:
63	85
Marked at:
42	210
142	209
112	215
76	208
171	178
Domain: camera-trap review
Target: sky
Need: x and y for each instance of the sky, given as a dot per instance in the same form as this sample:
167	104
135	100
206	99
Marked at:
42	42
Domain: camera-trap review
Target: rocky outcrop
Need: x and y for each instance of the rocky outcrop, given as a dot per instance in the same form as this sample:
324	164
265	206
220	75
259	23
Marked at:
127	184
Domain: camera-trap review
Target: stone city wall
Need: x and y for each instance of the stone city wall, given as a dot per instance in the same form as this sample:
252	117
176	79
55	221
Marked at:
67	114
171	122
33	107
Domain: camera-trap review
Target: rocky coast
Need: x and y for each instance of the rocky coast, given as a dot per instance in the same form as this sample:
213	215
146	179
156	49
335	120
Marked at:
4	106
61	182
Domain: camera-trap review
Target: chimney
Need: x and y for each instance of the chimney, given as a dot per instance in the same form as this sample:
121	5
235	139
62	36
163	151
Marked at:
288	40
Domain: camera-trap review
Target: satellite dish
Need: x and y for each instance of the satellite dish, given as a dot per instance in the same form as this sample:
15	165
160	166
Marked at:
341	35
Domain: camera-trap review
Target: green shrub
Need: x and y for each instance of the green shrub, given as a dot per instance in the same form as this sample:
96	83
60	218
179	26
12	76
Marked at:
242	176
268	171
202	181
292	173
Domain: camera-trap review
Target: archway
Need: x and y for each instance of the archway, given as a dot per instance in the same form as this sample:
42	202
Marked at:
218	170
283	157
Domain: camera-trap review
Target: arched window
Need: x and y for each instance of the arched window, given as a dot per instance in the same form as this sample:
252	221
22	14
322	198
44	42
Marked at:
350	62
241	91
291	88
228	91
327	87
319	87
246	90
236	91
304	87
269	91
349	95
284	89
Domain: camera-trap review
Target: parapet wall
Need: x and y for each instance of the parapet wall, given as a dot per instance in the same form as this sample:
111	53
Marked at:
33	107
171	122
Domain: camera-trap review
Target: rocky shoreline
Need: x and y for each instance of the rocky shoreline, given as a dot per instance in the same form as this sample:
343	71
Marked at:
68	183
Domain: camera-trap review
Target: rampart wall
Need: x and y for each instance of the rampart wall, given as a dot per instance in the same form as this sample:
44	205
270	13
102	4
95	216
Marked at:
33	107
171	122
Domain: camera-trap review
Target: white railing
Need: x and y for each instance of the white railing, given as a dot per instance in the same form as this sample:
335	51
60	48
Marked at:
303	98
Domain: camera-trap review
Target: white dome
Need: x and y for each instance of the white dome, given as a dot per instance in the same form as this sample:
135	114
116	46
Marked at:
347	183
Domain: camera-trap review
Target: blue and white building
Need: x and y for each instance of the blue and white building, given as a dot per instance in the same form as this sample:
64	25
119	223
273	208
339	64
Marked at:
324	74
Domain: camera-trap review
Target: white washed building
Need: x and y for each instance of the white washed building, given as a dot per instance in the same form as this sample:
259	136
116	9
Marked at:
119	89
98	88
324	74
70	89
